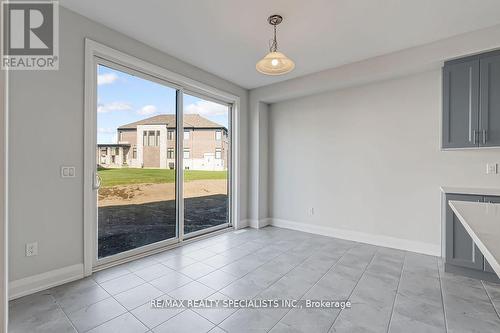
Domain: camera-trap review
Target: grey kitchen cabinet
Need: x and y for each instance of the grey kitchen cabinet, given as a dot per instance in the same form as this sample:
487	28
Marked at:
471	102
461	104
489	101
461	254
460	248
487	267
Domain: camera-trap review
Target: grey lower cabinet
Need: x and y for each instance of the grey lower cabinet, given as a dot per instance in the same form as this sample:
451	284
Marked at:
487	266
461	254
471	102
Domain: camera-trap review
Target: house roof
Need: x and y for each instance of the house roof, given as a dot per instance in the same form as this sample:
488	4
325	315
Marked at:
190	121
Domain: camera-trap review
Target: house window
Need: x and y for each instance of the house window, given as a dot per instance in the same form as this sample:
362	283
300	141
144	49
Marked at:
186	135
120	136
186	153
134	153
117	151
218	153
170	153
151	140
145	138
218	135
157	138
170	135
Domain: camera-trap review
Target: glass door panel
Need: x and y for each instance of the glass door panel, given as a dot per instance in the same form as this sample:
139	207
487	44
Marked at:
136	149
206	157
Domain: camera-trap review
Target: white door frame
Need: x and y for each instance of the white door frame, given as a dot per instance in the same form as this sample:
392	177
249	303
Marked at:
95	51
4	297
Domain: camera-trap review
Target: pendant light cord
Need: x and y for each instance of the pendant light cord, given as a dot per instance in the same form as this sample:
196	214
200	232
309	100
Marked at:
274	42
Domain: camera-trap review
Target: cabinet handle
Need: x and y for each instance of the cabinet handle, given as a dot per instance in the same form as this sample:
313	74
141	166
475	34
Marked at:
474	136
485	137
470	109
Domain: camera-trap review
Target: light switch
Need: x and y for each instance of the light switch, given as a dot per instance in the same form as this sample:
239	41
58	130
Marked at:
68	171
491	168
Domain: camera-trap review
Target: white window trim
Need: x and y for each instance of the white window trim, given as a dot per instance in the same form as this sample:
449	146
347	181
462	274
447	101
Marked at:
95	51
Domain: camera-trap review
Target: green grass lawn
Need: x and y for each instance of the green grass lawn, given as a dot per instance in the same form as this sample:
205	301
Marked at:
126	176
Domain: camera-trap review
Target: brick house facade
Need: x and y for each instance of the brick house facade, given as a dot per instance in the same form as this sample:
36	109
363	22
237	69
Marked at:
150	143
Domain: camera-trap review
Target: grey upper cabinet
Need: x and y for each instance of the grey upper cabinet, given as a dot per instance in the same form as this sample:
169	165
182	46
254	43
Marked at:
461	104
471	102
489	102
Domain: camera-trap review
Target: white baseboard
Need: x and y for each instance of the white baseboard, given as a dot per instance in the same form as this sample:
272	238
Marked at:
243	224
39	282
257	224
379	240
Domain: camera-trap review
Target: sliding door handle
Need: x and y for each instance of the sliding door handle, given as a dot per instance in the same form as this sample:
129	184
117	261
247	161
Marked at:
97	181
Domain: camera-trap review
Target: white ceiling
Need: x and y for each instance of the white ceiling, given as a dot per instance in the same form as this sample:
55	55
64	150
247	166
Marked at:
227	37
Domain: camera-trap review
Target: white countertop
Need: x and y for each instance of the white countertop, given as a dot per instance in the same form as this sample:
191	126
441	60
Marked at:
482	222
471	190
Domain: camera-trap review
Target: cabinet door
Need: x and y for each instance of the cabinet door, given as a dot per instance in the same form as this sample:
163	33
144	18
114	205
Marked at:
487	266
489	114
460	249
461	104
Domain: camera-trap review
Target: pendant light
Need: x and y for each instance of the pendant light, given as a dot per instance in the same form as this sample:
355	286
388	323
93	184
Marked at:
275	63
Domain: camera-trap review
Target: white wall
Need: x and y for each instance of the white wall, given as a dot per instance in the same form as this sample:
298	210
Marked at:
398	64
368	160
46	131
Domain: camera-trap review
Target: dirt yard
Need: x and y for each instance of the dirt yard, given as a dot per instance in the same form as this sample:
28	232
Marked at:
147	193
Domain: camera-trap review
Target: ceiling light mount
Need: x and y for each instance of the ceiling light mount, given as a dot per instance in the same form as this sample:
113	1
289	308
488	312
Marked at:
275	63
275	19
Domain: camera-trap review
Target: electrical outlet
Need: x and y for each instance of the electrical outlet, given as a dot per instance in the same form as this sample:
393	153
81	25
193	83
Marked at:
491	168
31	249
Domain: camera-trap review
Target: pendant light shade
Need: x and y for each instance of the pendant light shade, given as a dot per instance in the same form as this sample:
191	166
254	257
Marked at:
275	63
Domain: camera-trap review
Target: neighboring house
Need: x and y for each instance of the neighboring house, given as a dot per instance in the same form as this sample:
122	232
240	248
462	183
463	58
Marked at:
150	143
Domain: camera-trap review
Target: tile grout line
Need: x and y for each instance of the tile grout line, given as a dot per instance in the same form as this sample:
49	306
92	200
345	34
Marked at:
442	297
305	293
491	300
353	289
259	267
237	278
92	303
295	266
218	291
396	295
65	314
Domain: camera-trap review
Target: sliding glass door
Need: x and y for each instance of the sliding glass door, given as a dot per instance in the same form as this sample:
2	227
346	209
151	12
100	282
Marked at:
206	156
158	180
136	116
